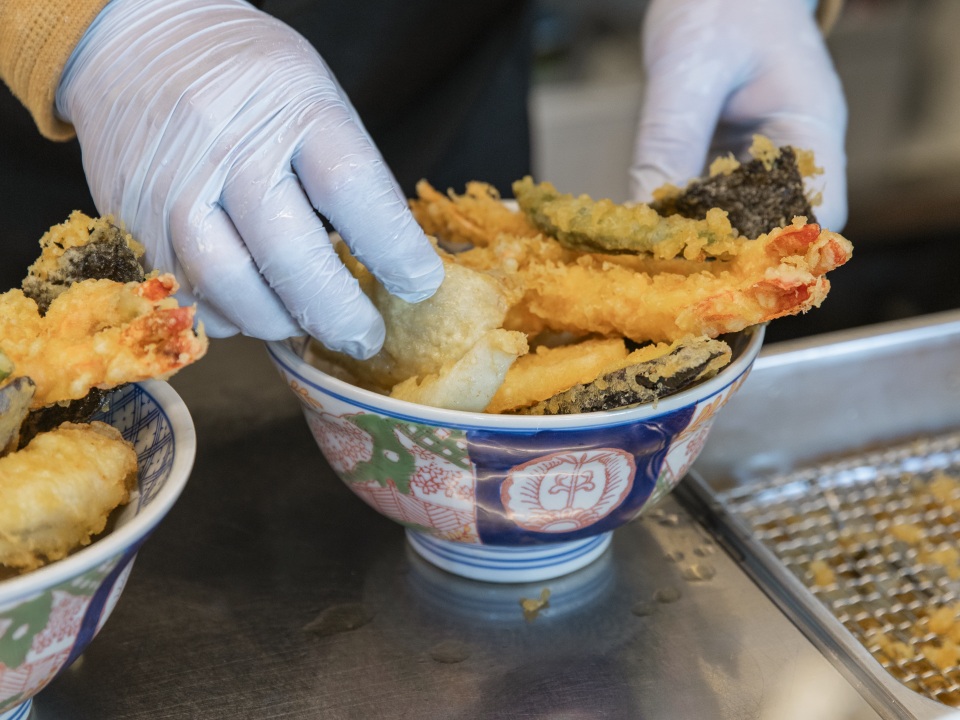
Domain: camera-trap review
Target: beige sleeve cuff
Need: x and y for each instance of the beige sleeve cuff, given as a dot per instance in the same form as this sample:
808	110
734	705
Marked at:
36	39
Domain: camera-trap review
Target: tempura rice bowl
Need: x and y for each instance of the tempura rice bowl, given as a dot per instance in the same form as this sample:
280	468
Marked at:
49	616
508	498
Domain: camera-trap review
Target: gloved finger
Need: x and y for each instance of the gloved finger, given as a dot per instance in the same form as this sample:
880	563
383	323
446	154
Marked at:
678	114
214	324
295	256
222	273
347	180
800	104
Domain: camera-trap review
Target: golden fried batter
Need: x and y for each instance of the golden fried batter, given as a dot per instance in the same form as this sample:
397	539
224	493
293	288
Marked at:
474	218
781	273
469	382
582	223
57	492
423	337
550	370
98	333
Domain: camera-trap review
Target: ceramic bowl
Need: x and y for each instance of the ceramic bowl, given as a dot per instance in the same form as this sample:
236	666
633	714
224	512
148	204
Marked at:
508	498
50	615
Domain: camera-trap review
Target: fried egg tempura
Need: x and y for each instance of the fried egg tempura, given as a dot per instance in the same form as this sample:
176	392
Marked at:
57	492
98	333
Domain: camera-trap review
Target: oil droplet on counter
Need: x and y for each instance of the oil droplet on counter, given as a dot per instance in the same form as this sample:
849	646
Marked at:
643	608
705	550
339	618
449	652
666	595
675	556
699	571
669	519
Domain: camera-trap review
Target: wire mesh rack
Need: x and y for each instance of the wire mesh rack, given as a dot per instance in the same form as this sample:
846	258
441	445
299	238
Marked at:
876	538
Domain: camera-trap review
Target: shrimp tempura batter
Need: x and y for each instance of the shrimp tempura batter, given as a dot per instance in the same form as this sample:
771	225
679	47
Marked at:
98	333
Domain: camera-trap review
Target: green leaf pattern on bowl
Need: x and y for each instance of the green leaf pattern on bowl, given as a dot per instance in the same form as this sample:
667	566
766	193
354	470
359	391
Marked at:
20	624
390	458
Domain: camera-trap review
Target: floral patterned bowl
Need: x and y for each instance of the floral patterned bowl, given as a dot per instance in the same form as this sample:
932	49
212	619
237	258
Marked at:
508	498
50	615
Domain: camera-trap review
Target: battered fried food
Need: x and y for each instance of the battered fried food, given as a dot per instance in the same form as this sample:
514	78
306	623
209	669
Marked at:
669	371
765	193
603	274
470	382
421	338
57	492
63	339
99	333
781	273
588	225
475	218
15	399
82	248
550	370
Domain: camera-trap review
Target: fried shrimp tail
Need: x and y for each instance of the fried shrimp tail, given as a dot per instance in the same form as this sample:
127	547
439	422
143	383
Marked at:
58	491
781	273
99	334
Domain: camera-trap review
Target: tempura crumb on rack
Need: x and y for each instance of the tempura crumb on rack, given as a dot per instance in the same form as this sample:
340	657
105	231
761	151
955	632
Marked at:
875	538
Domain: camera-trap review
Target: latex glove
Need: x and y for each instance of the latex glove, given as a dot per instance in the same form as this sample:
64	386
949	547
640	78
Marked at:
213	130
718	71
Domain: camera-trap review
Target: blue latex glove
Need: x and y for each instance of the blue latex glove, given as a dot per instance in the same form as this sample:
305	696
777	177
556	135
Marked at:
213	131
718	71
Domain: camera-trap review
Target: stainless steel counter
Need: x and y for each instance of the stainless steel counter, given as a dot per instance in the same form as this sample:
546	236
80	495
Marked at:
272	592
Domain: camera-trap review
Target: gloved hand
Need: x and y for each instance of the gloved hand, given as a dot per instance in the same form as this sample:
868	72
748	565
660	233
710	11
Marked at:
213	131
718	71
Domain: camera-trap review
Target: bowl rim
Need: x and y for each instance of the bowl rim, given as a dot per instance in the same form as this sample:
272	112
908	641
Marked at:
140	525
283	355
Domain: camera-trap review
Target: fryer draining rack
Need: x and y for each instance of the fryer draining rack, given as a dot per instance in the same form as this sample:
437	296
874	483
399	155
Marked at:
840	513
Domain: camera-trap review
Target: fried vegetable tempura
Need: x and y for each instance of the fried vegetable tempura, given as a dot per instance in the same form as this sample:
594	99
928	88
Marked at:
758	196
82	248
672	277
644	379
98	333
15	398
588	225
548	370
57	492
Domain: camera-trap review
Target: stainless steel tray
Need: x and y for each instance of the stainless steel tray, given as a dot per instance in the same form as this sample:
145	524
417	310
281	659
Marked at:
823	427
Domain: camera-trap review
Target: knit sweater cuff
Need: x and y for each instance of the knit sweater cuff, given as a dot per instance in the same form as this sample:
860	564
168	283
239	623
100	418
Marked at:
36	39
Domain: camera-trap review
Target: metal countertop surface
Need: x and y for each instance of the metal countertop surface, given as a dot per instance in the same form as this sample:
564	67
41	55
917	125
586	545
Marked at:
271	591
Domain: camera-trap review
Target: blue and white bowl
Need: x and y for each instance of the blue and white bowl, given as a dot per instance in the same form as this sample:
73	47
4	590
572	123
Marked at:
50	615
508	498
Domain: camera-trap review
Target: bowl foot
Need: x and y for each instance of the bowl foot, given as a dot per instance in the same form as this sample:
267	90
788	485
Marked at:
500	564
20	712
